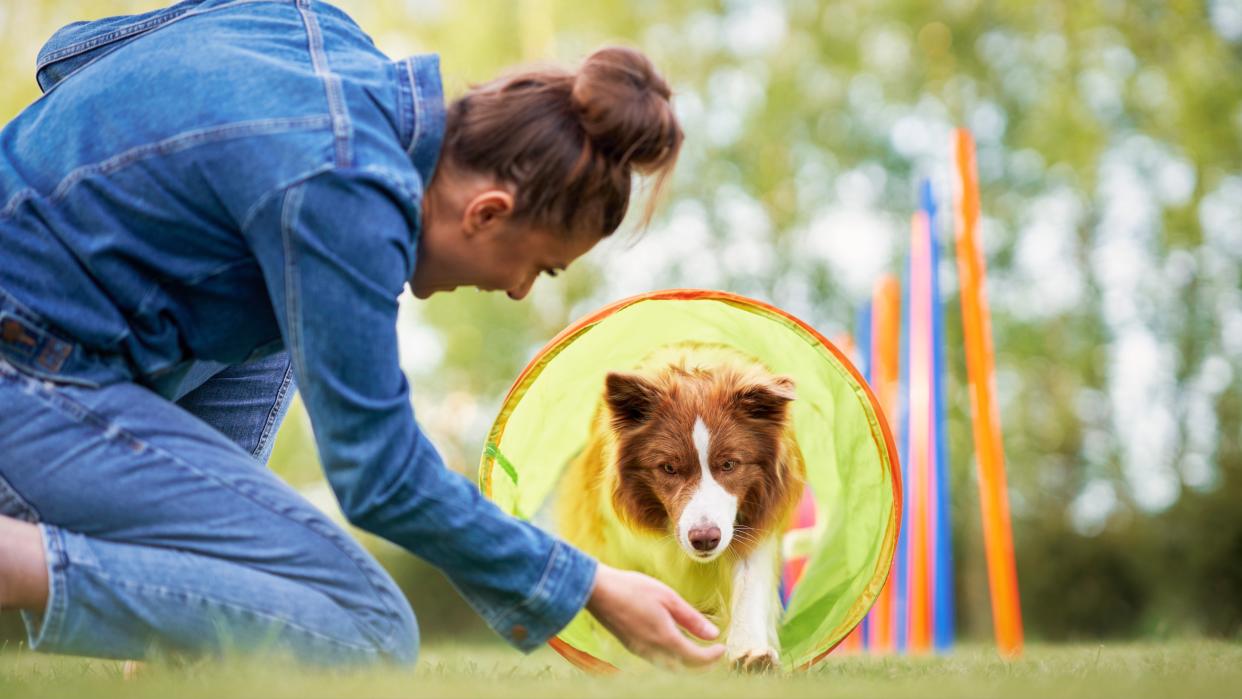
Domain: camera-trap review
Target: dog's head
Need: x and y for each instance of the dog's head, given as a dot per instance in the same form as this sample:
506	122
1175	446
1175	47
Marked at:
699	454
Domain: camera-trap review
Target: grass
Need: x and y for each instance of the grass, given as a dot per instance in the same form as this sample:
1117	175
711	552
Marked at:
1184	668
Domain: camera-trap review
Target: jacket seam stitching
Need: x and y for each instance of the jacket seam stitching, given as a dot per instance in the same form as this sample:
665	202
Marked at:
95	42
131	29
331	84
105	39
405	104
168	146
289	211
419	107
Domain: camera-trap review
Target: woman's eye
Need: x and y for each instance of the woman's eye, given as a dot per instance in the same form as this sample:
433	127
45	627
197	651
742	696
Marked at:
669	469
728	465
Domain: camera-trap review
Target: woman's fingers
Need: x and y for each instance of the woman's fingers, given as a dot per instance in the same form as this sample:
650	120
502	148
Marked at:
690	618
693	655
648	616
685	650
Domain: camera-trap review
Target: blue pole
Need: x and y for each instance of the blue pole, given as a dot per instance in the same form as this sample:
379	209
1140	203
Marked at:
863	343
901	562
942	604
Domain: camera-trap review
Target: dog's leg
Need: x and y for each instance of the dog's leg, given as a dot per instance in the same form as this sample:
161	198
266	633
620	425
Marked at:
755	610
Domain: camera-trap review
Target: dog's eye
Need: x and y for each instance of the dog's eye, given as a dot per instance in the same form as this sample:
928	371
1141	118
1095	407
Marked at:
728	465
669	469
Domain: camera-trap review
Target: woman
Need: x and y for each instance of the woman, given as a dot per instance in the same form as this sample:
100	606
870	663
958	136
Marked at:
216	201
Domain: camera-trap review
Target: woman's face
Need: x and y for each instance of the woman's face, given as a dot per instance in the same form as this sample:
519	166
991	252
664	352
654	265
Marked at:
470	239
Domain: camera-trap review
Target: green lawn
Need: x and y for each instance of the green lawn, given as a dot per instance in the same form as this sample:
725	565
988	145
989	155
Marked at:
1185	668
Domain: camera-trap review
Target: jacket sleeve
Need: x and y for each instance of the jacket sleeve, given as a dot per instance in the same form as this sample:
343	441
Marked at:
335	251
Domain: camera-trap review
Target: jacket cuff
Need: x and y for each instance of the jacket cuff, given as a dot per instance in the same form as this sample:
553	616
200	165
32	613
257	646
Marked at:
562	592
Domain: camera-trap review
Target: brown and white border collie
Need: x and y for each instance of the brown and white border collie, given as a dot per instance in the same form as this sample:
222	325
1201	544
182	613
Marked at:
690	475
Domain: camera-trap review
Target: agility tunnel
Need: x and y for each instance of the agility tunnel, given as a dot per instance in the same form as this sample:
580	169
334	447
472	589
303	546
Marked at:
840	547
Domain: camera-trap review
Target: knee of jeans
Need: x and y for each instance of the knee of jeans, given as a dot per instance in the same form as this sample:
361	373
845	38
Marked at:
401	641
393	626
404	642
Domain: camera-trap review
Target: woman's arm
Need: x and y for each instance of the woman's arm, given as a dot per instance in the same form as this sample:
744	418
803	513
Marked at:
335	251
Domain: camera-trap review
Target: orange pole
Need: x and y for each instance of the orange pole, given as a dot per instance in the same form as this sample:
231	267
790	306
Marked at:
989	451
885	358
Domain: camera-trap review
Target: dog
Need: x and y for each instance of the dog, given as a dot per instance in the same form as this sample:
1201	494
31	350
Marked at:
690	474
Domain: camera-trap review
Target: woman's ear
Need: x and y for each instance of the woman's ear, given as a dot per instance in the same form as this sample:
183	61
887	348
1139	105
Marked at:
485	210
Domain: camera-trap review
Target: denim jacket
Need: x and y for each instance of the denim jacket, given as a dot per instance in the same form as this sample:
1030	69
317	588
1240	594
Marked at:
221	179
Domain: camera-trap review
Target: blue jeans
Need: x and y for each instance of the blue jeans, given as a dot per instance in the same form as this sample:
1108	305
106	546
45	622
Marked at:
164	530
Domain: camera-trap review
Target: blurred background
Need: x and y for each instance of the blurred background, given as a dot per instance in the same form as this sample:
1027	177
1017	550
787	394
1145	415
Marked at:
1110	159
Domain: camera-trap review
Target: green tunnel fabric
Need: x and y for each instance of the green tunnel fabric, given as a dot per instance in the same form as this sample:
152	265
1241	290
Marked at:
851	462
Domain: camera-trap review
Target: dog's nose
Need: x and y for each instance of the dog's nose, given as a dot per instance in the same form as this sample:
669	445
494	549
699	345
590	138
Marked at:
705	538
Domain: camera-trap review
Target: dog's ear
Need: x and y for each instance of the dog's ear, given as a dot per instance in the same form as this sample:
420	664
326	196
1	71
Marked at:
766	401
631	398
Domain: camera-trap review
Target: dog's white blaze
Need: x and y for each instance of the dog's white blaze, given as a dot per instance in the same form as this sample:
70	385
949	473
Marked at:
710	505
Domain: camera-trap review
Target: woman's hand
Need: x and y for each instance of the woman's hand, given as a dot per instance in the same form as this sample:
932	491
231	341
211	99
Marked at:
645	614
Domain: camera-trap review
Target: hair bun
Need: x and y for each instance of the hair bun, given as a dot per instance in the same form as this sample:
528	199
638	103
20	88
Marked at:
624	107
570	143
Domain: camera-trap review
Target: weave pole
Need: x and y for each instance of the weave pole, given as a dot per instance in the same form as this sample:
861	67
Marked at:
884	362
980	368
862	352
919	467
943	608
901	560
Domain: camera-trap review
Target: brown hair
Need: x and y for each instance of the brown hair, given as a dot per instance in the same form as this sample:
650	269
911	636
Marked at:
570	142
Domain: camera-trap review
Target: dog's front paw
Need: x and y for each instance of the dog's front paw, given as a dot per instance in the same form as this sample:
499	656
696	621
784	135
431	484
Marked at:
755	660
